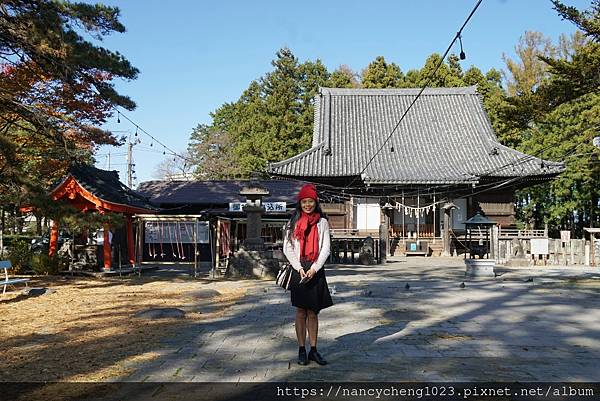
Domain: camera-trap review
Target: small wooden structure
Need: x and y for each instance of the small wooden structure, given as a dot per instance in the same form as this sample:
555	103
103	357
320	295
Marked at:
178	239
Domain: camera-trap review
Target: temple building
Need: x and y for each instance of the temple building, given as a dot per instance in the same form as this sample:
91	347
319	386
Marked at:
371	150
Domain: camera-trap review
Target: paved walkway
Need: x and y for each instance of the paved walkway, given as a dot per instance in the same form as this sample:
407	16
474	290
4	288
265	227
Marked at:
524	325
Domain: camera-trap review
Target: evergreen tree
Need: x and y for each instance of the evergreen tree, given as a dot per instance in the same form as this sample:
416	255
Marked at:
313	75
343	77
445	76
210	151
412	79
559	117
55	90
380	74
526	74
271	121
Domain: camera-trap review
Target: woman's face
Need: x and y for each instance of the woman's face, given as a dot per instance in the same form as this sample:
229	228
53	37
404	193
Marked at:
308	205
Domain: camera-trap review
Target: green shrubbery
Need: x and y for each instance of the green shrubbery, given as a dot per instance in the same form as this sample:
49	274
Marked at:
9	239
44	265
20	255
23	258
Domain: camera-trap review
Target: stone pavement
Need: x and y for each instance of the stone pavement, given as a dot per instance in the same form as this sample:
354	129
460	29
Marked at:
534	324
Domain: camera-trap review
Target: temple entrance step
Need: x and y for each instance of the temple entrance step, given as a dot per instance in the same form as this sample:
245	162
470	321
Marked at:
398	247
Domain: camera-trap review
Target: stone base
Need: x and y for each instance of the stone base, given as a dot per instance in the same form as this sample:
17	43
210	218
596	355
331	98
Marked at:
366	258
253	264
518	262
254	244
480	267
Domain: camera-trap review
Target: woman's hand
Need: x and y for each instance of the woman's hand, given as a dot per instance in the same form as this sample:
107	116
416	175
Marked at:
310	273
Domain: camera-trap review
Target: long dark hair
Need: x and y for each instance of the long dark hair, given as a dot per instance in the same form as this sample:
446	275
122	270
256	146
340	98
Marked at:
291	225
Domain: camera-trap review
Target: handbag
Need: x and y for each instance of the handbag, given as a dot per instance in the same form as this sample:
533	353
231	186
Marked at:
284	276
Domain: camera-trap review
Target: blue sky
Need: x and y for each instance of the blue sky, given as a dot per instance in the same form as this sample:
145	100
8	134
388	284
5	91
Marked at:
193	56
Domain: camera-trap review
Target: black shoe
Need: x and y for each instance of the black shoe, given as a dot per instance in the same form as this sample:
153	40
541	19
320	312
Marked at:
302	359
315	356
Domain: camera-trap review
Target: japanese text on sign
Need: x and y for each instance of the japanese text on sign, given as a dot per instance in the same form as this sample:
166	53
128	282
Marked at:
269	206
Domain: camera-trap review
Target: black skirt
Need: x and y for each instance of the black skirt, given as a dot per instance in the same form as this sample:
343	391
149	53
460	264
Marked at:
313	294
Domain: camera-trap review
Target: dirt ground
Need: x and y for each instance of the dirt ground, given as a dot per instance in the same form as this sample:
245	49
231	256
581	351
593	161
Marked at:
85	331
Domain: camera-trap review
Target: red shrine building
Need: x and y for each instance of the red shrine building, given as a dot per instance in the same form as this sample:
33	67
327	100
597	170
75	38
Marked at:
91	190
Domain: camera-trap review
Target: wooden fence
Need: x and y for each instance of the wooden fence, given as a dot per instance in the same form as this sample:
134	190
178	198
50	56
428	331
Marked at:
573	252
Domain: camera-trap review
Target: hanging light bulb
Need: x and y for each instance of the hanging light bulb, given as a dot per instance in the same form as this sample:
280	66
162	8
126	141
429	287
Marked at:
136	129
151	144
392	149
118	117
462	55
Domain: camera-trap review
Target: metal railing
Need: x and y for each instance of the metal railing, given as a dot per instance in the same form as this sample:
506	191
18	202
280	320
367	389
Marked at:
353	233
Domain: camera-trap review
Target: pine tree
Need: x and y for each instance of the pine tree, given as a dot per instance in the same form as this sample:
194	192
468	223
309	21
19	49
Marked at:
56	89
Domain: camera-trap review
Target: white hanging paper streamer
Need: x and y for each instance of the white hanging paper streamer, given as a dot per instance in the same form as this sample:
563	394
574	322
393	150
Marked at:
414	211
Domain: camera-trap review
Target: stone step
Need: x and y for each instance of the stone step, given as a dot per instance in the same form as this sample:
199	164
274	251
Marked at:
435	249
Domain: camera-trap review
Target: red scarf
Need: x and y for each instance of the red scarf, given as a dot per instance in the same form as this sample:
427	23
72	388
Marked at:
306	231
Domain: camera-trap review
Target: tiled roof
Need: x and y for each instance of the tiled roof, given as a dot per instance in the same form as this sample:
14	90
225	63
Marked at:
446	138
107	186
215	192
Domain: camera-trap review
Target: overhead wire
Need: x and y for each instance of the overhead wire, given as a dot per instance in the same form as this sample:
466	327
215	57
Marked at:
422	89
164	147
515	163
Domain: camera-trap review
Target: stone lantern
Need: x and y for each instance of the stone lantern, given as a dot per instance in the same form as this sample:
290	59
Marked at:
254	210
252	259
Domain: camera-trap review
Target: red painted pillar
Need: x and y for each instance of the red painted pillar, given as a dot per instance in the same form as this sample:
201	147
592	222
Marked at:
130	244
53	238
106	248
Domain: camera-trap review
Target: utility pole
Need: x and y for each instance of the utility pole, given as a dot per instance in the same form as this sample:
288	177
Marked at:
130	163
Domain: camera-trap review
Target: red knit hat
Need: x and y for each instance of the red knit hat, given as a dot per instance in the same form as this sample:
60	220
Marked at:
308	191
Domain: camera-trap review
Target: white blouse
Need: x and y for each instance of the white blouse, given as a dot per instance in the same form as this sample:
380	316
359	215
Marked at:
291	249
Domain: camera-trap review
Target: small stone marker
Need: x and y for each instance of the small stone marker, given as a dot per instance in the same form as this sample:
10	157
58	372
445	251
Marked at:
38	291
161	313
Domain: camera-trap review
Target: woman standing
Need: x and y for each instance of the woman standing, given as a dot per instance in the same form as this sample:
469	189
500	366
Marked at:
306	244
